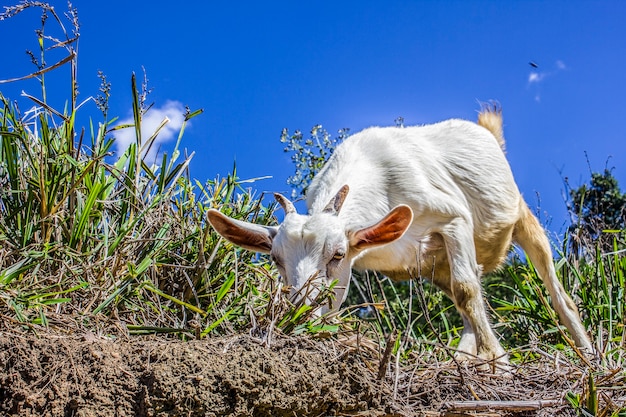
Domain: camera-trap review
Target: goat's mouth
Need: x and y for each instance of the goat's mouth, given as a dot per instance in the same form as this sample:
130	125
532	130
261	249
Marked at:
308	291
315	292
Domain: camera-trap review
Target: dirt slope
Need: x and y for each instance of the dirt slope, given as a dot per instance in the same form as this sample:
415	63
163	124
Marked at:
57	376
88	376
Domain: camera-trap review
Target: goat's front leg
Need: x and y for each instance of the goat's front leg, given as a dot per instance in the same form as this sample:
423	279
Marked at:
466	293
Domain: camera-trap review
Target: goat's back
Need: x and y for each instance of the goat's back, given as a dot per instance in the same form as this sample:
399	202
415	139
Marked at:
388	166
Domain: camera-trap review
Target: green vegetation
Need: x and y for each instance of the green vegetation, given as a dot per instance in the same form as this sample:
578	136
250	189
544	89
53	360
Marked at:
309	154
598	212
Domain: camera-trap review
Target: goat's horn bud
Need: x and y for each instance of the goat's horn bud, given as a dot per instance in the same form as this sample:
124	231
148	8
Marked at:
285	203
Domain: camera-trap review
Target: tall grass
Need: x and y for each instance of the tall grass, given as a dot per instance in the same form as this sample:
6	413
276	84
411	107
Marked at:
88	233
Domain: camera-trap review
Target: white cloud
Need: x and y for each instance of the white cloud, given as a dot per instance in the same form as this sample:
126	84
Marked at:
535	77
173	111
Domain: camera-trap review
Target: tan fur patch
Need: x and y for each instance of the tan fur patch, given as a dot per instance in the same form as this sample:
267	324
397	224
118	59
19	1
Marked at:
490	117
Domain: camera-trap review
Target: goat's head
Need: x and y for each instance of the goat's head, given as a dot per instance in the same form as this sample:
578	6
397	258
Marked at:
314	249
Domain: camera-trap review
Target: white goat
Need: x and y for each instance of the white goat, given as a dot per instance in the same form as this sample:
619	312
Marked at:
437	201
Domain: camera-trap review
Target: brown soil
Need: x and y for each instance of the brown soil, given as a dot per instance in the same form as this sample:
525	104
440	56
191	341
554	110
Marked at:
236	376
65	376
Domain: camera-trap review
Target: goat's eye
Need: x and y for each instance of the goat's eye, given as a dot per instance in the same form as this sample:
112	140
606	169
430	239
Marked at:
275	260
339	255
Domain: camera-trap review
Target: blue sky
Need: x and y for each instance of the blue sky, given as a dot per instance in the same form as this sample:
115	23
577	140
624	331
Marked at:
258	67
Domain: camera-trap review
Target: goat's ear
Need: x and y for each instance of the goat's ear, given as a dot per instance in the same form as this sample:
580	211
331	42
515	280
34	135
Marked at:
334	205
390	228
247	235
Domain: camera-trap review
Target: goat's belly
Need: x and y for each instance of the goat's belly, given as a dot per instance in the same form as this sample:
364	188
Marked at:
427	257
404	260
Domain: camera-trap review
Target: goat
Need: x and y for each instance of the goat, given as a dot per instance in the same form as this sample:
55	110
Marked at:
437	201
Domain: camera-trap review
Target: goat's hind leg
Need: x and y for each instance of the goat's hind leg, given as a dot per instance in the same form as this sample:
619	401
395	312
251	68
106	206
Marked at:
529	234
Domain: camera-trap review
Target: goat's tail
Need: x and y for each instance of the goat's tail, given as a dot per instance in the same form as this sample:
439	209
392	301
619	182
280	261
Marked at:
490	117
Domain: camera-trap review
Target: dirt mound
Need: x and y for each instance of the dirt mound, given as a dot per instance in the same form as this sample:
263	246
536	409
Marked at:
60	376
52	375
